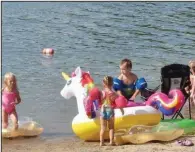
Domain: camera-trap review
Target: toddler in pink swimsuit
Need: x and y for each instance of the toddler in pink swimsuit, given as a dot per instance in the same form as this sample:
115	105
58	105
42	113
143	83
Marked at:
107	110
10	97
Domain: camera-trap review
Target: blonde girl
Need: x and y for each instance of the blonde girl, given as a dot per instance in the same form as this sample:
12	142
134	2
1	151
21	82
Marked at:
10	97
107	111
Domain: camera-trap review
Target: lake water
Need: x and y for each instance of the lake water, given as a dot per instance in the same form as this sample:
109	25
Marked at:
95	36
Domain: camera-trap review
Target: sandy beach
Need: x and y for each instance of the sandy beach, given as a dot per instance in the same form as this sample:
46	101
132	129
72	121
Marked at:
76	145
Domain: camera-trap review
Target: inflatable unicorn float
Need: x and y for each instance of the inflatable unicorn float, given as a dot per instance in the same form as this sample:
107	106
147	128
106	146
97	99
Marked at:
86	123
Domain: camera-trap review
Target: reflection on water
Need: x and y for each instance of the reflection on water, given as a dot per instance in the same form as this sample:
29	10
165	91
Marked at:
46	60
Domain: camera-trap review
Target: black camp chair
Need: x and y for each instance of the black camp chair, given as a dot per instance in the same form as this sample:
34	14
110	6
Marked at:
172	76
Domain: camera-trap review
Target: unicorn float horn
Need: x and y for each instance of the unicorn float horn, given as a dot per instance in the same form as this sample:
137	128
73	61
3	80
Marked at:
65	76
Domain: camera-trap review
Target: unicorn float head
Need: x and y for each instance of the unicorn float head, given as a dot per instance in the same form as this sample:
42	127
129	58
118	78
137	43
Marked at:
80	85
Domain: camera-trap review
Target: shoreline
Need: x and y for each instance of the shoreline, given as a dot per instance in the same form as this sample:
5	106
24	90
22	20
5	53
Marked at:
73	144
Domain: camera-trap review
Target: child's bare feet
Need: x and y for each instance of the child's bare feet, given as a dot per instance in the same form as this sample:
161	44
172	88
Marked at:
111	144
102	144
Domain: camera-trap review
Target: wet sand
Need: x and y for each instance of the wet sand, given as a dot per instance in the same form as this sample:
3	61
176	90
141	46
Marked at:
77	145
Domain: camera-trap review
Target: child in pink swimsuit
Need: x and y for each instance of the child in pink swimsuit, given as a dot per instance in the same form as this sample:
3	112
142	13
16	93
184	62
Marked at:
107	110
10	97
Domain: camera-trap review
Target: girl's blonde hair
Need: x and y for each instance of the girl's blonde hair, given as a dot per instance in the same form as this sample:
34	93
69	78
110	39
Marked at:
108	80
13	77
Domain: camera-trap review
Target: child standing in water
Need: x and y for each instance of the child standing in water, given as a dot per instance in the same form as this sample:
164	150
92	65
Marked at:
107	111
192	80
10	97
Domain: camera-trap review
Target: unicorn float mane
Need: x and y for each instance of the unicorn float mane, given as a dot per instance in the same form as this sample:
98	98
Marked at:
87	82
